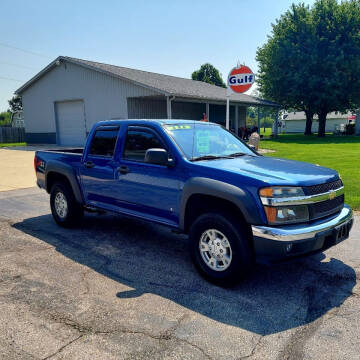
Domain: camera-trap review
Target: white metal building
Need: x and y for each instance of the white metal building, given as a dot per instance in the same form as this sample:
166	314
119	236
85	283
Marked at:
64	100
294	122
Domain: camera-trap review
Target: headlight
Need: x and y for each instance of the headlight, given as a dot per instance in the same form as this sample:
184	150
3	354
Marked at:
288	214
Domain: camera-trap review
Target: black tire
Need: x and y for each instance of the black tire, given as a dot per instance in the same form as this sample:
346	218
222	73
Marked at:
73	214
237	235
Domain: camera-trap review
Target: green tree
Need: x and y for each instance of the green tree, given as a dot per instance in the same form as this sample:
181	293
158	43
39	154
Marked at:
5	118
311	59
338	53
15	103
209	74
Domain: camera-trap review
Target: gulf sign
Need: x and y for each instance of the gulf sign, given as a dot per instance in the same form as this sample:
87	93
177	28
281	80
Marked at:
240	79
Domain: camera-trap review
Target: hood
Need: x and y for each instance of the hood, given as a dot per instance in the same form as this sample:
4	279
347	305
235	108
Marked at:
274	171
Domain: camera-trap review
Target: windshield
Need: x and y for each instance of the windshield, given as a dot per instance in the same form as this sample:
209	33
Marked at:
203	140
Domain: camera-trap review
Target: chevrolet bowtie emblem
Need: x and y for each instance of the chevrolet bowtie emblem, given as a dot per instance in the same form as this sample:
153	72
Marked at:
332	194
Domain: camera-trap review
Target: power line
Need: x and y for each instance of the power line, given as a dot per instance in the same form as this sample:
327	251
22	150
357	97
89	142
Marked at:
25	51
17	65
6	78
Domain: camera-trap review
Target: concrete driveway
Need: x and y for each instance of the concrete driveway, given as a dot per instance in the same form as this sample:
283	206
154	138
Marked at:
115	288
17	169
17	166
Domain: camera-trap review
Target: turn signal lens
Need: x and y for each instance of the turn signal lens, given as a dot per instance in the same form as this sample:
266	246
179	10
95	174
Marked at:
281	191
267	192
270	214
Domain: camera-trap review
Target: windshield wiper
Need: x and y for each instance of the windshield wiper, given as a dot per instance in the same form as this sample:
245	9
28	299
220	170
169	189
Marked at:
210	157
238	154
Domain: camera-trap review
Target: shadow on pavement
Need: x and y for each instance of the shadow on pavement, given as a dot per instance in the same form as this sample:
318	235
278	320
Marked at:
151	259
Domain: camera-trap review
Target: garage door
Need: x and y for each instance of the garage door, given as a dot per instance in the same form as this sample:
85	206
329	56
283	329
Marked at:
70	123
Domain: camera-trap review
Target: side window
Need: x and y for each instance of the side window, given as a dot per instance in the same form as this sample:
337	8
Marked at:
138	141
104	140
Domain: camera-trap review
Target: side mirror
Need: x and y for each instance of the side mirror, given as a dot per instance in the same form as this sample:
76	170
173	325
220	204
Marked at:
158	157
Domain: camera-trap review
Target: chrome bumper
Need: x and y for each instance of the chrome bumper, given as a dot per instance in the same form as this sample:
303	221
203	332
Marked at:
302	232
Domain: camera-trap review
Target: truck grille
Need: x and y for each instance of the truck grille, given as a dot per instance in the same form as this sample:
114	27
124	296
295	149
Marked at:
322	188
326	208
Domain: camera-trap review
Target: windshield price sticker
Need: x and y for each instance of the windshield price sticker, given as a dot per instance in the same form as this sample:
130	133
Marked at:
178	127
203	141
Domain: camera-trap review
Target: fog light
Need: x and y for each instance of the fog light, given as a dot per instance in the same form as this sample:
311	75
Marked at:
288	247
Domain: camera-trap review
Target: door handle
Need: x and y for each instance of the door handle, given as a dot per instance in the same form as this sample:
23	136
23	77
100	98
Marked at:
89	164
123	169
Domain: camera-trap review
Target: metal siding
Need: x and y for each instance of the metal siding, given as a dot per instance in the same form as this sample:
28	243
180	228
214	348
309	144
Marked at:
105	97
139	108
188	110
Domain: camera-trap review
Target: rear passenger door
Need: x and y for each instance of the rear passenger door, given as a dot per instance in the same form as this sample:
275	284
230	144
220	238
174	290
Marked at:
98	169
145	189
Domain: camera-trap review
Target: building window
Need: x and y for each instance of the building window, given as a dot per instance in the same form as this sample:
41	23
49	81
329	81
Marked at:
104	141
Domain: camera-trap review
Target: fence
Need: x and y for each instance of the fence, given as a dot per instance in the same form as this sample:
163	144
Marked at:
11	134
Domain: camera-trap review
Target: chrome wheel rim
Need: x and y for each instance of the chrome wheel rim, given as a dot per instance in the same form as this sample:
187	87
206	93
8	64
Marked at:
215	250
61	206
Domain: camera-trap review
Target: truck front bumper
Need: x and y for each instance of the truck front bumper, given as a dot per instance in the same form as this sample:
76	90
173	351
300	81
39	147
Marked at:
279	243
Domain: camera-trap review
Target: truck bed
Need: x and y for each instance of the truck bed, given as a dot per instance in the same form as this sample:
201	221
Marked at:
46	159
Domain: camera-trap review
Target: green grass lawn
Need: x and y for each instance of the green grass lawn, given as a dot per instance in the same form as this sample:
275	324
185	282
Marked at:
341	153
267	131
12	144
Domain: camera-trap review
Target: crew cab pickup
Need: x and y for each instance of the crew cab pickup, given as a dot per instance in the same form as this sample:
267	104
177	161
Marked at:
236	205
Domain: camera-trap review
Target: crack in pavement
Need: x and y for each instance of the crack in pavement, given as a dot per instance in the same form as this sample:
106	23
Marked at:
85	282
294	349
166	335
252	353
63	347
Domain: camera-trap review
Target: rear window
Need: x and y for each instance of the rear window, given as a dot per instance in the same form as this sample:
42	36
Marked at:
104	141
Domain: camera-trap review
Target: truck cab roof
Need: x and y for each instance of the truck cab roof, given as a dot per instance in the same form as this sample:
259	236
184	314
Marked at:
153	121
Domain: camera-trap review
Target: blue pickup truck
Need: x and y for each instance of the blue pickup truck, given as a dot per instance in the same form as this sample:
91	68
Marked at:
199	179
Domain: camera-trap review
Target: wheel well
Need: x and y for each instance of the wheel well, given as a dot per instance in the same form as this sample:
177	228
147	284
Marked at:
54	177
199	204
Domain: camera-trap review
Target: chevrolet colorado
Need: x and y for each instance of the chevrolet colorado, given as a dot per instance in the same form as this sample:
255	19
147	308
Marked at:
197	178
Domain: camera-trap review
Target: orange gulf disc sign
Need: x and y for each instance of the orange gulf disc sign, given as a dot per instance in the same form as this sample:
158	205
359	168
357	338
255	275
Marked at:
240	79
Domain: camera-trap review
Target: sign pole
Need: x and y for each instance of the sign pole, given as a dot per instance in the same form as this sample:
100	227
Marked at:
240	79
227	123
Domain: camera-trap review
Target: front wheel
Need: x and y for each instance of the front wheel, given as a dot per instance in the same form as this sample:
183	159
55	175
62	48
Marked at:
64	207
220	248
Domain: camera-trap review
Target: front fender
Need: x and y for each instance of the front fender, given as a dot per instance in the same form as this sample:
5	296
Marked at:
205	186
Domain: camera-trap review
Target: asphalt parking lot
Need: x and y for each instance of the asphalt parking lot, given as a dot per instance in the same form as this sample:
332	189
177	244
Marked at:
115	288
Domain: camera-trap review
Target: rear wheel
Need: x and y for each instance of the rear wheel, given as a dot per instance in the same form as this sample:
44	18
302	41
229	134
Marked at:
65	209
220	248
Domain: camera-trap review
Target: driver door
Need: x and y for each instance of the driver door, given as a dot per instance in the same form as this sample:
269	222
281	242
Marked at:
148	190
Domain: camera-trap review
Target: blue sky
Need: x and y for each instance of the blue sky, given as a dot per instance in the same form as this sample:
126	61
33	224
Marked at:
171	37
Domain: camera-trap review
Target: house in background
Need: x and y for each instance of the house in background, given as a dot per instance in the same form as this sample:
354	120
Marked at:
17	119
64	100
294	122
